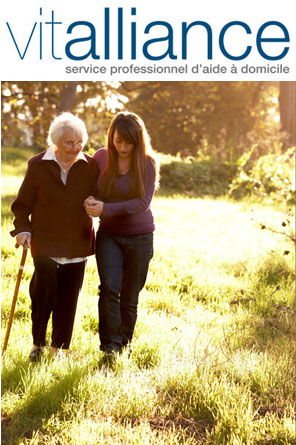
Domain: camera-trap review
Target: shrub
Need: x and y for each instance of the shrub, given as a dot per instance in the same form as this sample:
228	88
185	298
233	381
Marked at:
271	175
201	177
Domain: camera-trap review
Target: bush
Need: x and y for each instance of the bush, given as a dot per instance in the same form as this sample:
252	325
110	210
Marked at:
201	177
271	175
15	156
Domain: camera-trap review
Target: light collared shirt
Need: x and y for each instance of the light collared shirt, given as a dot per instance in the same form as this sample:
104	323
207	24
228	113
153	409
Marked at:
50	155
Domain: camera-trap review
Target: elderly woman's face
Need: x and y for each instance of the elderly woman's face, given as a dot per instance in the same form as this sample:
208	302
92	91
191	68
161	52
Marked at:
70	144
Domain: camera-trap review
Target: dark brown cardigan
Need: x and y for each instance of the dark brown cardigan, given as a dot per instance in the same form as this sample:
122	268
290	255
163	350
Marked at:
53	212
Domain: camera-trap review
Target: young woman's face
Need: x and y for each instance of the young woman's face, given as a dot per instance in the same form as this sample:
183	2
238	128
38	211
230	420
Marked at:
123	148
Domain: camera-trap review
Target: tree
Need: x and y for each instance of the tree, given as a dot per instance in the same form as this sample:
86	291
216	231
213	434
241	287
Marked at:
287	100
68	97
217	119
29	107
211	118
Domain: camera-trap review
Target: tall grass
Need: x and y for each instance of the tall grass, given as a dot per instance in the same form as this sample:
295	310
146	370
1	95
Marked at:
213	351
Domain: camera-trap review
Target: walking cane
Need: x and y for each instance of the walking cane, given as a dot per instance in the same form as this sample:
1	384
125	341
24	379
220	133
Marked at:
17	286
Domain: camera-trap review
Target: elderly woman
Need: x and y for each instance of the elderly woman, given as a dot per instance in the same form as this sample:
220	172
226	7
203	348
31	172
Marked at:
51	220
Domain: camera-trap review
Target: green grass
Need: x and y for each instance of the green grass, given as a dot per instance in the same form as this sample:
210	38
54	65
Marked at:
213	350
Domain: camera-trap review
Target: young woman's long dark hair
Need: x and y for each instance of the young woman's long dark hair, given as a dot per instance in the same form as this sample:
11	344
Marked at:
131	129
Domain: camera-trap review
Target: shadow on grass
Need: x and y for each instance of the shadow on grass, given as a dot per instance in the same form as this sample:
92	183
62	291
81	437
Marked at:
274	271
45	388
45	399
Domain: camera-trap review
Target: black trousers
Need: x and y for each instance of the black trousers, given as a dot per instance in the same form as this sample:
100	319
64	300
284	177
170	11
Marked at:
54	289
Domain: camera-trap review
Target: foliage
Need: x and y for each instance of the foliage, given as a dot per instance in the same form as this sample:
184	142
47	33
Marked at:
213	352
201	177
215	119
270	175
29	107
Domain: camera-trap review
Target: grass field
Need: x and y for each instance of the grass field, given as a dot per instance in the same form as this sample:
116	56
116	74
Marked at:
213	351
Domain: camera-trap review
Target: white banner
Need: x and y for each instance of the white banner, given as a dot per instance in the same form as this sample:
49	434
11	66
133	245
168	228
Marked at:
136	40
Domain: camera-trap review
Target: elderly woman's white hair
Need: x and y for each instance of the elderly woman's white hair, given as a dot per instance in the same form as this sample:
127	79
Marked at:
66	120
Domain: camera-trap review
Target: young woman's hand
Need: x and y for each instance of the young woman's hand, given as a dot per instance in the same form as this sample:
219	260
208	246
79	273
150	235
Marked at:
93	207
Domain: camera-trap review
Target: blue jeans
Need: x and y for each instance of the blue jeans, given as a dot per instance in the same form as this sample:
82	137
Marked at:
123	263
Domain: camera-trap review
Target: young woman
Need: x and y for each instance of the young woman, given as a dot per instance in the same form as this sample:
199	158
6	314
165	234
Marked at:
124	243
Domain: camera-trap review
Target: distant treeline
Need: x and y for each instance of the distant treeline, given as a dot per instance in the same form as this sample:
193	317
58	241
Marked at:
220	120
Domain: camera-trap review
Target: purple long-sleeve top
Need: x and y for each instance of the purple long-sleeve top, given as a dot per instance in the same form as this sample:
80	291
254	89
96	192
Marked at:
121	214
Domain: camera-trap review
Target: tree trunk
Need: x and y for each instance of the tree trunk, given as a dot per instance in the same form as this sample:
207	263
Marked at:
68	97
287	101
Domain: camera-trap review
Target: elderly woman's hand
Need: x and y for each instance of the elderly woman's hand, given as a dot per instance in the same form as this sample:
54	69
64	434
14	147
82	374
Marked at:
89	201
93	207
23	239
